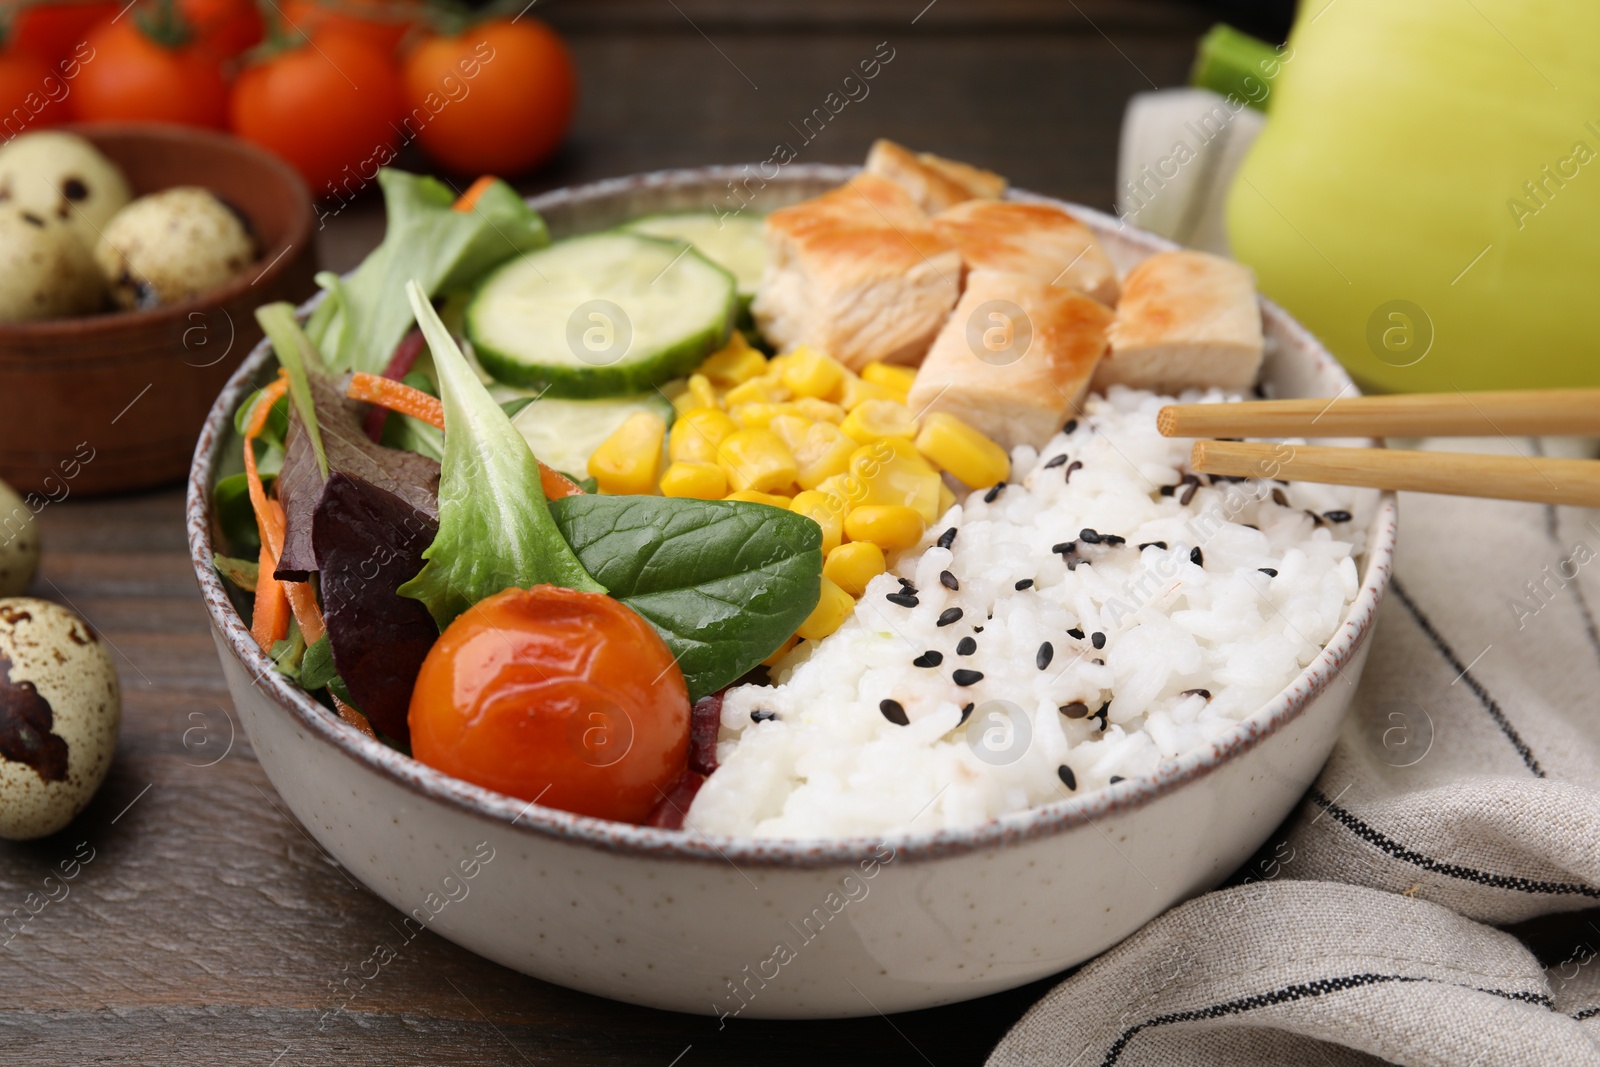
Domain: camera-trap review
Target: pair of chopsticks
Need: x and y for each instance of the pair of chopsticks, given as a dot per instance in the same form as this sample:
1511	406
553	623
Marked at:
1545	413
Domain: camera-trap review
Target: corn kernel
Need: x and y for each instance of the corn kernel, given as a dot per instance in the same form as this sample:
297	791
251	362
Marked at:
818	410
858	391
892	472
961	450
808	372
750	496
889	526
763	390
696	434
827	511
823	453
833	607
697	393
852	566
844	486
627	461
791	430
735	363
757	459
889	376
757	415
782	651
872	419
947	499
701	481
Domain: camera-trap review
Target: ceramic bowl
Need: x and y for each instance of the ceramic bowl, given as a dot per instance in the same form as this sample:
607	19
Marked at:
112	402
793	929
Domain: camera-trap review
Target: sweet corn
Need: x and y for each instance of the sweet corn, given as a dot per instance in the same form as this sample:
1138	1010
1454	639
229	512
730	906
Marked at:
892	472
763	390
852	566
808	372
889	526
782	651
791	429
827	511
822	453
964	452
750	496
833	607
697	393
857	391
947	499
627	461
696	434
846	487
702	481
817	410
758	415
757	459
872	419
735	363
889	376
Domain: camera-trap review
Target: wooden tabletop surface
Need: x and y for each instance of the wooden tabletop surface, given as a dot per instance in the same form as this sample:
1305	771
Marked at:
209	928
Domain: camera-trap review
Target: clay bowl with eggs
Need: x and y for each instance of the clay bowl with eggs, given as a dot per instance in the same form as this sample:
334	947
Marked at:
112	401
807	928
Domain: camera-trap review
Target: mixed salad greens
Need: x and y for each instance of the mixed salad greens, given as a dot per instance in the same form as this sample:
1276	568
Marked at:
402	526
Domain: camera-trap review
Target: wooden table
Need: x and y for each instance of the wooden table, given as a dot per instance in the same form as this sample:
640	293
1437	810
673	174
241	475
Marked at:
209	928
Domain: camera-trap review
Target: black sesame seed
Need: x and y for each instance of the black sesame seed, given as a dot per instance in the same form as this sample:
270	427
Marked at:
1166	490
1153	544
1026	583
762	715
966	646
1099	639
894	712
1055	461
1336	516
1204	694
1075	710
1065	548
964	677
947	538
948	580
948	616
1115	778
929	658
1073	466
905	600
966	712
1188	493
1268	571
1113	539
1197	557
1045	654
1072	424
1316	520
1088	536
977	629
1068	779
1280	498
1075	632
994	492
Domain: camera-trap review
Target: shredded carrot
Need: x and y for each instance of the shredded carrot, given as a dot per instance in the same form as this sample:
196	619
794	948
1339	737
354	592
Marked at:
396	396
270	622
469	199
354	717
557	485
302	598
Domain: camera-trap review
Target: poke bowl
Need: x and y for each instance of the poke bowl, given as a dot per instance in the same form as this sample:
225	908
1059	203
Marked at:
802	903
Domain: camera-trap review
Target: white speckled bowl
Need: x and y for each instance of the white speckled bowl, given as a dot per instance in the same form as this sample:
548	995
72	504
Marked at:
786	929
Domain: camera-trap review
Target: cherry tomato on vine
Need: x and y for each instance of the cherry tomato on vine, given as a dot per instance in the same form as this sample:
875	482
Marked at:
495	99
54	31
224	28
134	76
329	107
32	94
551	694
381	23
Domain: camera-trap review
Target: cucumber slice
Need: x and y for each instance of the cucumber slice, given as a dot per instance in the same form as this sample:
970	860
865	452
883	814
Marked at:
734	242
604	314
564	433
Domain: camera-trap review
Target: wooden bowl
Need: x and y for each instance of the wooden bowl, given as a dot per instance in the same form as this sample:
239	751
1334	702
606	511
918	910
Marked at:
113	402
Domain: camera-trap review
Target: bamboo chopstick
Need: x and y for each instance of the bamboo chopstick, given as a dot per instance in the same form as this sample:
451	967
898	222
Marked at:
1548	412
1546	481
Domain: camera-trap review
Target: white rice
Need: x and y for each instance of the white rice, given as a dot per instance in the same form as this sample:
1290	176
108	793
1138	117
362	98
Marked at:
816	755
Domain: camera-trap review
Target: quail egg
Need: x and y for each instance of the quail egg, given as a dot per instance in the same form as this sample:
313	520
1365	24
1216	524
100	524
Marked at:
171	246
19	543
60	708
46	272
62	177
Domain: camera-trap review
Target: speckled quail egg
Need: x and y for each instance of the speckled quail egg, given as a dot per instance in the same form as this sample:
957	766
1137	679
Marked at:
45	271
61	176
19	543
60	708
171	246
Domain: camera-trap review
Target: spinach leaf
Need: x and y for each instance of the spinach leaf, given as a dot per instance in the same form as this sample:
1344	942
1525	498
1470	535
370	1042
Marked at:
243	573
364	316
495	529
724	582
316	666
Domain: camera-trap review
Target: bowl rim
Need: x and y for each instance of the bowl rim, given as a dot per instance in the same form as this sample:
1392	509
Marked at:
298	234
527	818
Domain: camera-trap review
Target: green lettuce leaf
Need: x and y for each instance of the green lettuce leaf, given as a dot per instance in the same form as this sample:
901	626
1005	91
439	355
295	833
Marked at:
495	529
364	316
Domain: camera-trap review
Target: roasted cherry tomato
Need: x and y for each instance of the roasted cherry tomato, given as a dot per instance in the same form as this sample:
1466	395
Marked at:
224	28
495	99
549	694
54	31
134	77
381	23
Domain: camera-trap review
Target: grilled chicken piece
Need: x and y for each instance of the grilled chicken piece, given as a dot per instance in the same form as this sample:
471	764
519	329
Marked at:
858	273
1015	357
1186	320
1039	240
934	182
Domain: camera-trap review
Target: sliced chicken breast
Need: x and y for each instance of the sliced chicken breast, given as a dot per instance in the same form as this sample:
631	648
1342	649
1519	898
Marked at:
1039	240
934	182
